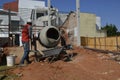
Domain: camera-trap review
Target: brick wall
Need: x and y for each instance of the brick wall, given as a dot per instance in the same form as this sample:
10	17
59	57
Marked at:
13	6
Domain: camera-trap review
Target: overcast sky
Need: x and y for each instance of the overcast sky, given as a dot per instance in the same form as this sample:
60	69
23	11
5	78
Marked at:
108	10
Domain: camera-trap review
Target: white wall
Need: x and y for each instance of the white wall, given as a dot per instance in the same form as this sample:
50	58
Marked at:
26	6
98	22
31	4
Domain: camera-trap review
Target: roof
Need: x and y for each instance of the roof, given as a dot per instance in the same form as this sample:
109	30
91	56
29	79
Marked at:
5	12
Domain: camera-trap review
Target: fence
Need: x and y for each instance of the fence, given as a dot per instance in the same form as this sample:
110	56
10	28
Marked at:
103	43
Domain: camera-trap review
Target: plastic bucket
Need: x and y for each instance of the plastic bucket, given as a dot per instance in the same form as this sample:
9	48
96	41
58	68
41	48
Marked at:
10	60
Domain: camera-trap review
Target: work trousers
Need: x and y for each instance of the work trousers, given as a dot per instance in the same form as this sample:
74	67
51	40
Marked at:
26	53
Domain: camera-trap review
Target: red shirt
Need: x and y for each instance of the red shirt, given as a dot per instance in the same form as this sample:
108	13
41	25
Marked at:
25	33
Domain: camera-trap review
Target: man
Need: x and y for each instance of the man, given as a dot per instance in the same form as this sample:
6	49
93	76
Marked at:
26	36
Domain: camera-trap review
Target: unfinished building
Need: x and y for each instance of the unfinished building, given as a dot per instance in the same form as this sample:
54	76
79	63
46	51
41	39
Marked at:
89	23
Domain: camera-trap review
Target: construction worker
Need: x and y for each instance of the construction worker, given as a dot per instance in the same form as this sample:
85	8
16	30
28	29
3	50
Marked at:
26	36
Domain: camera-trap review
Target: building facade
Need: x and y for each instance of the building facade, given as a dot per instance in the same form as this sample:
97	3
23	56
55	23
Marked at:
90	24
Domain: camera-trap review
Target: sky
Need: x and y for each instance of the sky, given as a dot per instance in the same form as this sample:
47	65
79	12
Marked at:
108	10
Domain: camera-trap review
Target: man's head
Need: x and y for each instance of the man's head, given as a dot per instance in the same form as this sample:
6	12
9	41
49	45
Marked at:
29	22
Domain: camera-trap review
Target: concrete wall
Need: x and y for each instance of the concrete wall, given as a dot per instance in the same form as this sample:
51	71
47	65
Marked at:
88	26
25	10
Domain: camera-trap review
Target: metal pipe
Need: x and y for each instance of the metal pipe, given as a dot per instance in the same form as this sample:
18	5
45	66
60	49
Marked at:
9	24
49	11
78	22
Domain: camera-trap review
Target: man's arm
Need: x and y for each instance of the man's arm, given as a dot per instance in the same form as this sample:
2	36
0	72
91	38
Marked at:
30	31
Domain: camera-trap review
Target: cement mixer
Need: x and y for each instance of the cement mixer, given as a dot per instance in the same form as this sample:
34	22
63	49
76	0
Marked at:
50	37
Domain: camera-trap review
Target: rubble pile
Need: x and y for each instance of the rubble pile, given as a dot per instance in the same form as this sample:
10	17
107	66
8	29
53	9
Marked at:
85	65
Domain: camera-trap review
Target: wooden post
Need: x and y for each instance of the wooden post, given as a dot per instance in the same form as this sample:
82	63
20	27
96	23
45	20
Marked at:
116	43
105	42
94	42
99	43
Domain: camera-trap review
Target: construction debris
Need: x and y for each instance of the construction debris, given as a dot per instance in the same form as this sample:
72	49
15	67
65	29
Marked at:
94	65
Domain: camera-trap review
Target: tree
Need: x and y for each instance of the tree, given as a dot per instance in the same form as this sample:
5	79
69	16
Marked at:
111	30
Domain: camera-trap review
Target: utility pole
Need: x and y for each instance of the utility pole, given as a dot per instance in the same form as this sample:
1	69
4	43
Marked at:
9	24
49	12
78	22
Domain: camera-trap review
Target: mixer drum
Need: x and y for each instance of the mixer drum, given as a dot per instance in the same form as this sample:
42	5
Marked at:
49	36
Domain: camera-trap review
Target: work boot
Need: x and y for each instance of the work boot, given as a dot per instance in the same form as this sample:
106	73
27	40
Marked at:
22	65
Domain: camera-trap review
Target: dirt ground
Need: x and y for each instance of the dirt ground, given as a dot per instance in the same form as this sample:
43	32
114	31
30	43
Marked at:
86	65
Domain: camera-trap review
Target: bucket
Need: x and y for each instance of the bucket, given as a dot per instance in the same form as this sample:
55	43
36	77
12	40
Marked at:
10	60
